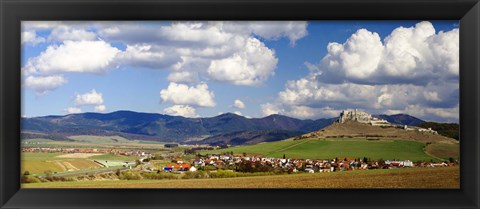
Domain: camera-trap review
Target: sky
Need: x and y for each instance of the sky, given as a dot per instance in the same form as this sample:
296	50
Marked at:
305	70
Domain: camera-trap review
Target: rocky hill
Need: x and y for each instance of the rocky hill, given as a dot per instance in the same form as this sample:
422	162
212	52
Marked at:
352	129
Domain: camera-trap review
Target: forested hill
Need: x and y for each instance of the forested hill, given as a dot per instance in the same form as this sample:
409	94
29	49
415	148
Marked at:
451	130
165	127
224	128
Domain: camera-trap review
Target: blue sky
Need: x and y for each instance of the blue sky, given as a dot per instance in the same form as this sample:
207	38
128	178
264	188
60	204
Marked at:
307	70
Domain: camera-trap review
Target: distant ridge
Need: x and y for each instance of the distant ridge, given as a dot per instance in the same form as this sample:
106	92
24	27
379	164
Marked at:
402	119
226	128
160	127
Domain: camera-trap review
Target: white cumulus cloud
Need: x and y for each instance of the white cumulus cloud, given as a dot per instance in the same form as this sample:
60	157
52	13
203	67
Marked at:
181	110
72	110
182	94
44	84
144	55
270	109
272	30
193	52
31	38
413	70
299	111
64	33
89	98
183	77
380	98
252	66
100	108
222	51
79	57
238	104
408	55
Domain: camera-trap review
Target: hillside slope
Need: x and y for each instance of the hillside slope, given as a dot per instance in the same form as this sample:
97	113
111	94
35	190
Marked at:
351	129
451	130
249	137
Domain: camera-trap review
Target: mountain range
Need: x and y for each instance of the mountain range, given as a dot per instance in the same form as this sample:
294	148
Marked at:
227	128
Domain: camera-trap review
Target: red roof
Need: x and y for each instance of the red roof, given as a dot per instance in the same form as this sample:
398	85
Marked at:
178	166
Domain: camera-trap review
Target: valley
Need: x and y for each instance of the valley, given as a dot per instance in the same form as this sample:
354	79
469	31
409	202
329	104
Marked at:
120	158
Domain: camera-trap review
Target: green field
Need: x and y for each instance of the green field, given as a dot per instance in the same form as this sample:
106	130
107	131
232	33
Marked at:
99	139
38	140
39	156
443	150
113	157
39	163
386	178
329	149
39	167
89	141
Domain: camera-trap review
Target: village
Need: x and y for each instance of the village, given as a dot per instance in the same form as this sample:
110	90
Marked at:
213	162
186	162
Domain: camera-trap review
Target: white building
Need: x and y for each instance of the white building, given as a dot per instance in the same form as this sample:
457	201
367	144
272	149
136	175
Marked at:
404	163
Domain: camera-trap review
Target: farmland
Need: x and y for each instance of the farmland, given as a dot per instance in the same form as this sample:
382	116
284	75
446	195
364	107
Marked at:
328	149
39	163
447	177
81	162
87	166
113	157
443	150
83	141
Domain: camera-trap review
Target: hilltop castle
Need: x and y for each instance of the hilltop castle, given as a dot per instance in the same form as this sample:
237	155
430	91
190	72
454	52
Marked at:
361	117
364	117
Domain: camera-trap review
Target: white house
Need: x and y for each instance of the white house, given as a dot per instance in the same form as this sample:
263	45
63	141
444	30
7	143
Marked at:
405	163
309	170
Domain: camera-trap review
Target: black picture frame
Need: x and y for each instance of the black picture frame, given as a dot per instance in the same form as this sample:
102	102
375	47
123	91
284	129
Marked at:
14	11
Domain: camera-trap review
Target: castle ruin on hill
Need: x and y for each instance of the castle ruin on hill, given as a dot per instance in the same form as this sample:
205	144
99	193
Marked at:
364	117
361	117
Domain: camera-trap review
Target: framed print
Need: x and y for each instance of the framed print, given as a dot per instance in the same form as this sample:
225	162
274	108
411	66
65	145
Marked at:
287	104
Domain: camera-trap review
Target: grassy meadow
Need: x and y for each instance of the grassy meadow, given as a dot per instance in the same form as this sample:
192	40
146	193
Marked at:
39	163
341	148
446	177
443	150
88	141
113	157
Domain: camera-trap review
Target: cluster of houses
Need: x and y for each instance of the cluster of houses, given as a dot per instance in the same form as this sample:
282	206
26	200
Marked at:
138	153
179	167
423	130
295	165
